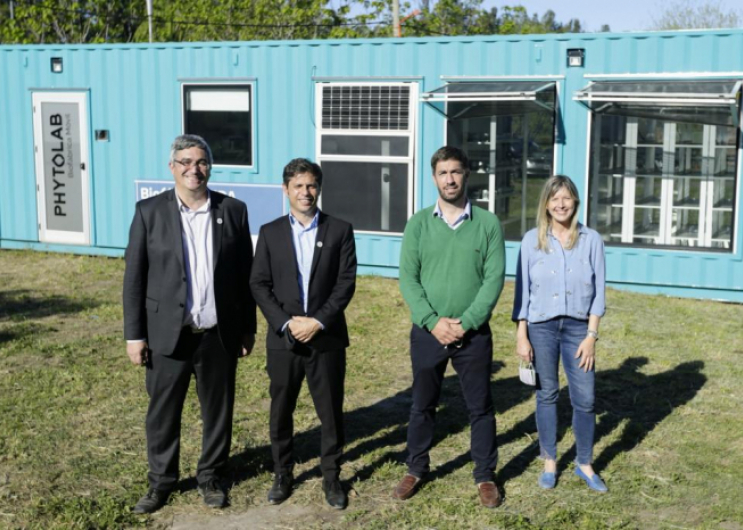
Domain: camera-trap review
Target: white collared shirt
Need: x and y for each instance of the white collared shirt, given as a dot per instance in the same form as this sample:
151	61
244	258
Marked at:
466	214
198	250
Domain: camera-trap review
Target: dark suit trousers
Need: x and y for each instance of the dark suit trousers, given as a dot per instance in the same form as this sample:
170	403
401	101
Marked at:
325	372
167	382
472	362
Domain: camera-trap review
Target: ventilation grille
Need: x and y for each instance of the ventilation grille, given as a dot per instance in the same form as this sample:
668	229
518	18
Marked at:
385	108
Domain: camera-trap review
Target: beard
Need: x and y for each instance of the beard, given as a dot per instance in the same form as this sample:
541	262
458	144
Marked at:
452	199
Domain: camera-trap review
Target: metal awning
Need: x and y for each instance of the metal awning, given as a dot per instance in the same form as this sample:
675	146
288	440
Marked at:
469	99
713	102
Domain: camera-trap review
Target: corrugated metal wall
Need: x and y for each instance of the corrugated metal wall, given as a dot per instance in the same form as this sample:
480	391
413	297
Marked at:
135	93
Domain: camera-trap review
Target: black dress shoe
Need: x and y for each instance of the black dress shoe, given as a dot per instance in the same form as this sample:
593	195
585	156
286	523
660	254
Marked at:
334	494
152	501
213	493
281	489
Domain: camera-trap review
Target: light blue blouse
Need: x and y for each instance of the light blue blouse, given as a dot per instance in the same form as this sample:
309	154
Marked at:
560	282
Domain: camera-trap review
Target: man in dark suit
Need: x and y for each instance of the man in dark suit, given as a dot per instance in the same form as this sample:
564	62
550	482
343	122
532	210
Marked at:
303	278
188	310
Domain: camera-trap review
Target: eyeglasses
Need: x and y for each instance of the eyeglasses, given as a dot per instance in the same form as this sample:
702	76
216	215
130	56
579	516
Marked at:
187	163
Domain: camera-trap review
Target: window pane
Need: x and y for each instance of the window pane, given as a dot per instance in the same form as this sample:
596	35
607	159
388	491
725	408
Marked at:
678	178
648	192
510	159
612	159
226	128
647	225
365	145
372	196
722	228
685	230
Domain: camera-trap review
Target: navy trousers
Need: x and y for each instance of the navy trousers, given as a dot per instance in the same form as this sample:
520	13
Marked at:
472	362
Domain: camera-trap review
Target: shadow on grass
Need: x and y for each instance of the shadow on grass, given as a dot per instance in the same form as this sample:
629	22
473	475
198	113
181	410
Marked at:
390	417
623	395
21	330
25	304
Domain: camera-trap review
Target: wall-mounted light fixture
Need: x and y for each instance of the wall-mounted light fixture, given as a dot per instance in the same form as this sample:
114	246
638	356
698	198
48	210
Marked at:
57	65
576	57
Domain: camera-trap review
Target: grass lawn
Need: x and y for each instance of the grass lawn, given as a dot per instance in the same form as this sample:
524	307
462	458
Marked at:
72	445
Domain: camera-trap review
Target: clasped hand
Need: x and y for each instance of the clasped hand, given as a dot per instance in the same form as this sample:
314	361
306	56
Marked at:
448	330
304	328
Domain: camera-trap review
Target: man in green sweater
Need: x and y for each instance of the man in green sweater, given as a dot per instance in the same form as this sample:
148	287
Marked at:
452	267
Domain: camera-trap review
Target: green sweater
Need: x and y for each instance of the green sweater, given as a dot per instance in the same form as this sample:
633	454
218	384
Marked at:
452	273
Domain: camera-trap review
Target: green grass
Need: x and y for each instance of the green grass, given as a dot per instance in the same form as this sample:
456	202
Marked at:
72	447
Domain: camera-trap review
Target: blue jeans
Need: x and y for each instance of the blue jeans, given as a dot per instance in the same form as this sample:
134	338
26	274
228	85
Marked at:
560	337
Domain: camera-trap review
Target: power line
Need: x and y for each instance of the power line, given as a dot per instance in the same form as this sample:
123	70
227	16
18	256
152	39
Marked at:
186	22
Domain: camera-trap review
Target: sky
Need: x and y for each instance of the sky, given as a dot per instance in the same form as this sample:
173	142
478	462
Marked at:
621	15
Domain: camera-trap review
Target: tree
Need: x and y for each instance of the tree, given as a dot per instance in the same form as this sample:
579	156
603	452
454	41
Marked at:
688	14
72	21
97	21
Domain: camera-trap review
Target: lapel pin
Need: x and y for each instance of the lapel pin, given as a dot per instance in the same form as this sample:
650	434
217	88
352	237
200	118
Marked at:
219	221
319	244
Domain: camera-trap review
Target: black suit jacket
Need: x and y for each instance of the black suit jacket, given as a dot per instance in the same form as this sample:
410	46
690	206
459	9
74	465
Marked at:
275	286
155	287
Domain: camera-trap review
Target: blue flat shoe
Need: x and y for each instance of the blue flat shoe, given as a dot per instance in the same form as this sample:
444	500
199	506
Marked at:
594	482
547	480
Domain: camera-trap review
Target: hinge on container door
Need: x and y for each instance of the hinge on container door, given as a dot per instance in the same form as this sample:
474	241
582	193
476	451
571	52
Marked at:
82	166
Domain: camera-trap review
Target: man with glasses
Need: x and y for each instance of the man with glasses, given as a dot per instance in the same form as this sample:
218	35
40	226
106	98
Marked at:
452	267
188	310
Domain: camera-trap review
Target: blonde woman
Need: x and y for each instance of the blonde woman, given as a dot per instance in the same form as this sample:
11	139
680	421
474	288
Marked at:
559	302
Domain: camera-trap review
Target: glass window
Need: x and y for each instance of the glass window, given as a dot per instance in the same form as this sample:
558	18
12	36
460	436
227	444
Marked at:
372	195
508	136
222	116
662	182
366	152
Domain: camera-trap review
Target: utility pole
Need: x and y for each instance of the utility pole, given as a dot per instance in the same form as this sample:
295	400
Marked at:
149	17
12	13
396	18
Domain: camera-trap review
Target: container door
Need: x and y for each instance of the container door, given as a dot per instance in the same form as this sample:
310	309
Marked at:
62	161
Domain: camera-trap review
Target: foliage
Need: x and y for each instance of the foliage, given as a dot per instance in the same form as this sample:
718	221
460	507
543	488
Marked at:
690	14
98	21
71	21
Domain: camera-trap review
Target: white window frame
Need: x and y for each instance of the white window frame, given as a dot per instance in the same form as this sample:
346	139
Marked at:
251	84
630	194
556	113
410	133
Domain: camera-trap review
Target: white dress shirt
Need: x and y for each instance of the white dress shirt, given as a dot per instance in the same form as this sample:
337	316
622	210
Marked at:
198	250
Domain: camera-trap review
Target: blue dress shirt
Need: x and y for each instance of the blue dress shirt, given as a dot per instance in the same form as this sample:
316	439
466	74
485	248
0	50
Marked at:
304	238
560	282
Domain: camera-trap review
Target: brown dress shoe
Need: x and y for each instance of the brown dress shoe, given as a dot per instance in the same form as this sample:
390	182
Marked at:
406	488
489	494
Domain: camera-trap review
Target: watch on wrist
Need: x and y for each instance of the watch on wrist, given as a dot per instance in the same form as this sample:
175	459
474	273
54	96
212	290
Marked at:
592	333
